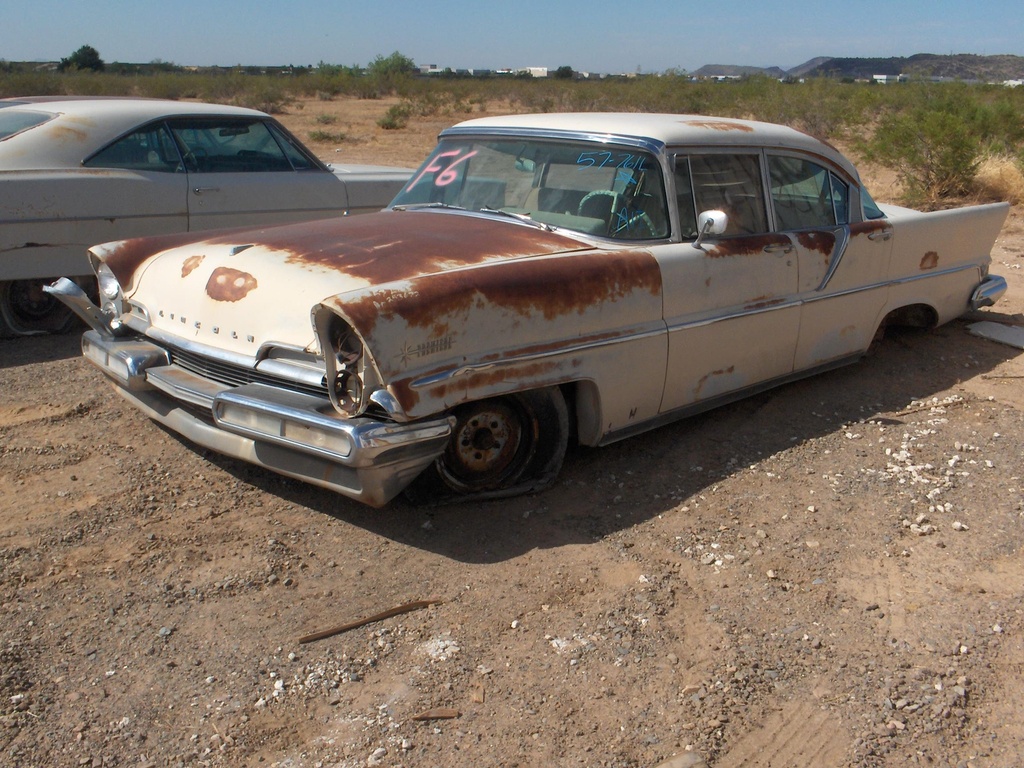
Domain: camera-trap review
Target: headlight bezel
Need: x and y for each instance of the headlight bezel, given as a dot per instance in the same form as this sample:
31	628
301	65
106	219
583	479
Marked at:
346	363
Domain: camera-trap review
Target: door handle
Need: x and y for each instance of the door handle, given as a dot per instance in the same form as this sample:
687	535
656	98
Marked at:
883	235
779	248
201	190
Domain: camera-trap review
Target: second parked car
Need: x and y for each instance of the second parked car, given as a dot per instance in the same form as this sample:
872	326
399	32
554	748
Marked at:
80	171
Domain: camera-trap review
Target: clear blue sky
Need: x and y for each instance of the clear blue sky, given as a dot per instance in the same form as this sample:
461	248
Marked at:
592	35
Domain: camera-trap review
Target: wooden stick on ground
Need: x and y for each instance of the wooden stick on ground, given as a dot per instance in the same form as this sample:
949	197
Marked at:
406	608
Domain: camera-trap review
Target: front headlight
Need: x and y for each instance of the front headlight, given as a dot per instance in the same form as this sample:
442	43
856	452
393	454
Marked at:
344	360
111	295
110	289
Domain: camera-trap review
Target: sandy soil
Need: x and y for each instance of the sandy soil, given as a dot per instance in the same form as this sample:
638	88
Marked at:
828	574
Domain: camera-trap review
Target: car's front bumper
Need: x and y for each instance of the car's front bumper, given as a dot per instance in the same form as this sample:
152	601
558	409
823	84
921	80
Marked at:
291	433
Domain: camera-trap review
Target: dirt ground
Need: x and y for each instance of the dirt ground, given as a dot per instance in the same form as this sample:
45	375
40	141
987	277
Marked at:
828	574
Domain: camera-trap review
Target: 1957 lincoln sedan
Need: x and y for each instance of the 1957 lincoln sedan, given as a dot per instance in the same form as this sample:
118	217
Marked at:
540	279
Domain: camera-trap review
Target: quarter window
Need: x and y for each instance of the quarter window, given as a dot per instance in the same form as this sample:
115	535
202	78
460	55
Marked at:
147	149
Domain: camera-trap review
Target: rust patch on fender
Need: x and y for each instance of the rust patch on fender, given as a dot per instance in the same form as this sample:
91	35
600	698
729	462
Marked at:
549	287
190	264
930	260
454	392
226	284
719	125
125	258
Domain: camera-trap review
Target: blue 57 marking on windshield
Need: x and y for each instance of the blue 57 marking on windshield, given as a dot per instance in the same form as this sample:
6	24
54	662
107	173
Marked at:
623	161
446	174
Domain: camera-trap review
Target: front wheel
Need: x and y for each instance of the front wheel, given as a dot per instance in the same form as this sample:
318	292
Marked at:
26	309
499	447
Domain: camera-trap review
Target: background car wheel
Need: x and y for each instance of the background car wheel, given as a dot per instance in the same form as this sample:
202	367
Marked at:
499	447
26	309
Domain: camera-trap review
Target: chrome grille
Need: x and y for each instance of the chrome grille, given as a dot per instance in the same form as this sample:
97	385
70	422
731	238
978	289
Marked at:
236	375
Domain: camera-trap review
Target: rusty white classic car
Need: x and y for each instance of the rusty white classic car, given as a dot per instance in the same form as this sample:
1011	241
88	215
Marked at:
541	280
79	171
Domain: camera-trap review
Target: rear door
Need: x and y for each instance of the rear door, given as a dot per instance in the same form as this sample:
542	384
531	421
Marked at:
843	269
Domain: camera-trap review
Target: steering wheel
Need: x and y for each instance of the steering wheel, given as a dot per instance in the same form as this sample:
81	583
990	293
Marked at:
628	225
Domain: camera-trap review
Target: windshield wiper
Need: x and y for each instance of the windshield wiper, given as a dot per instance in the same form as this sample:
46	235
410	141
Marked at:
524	217
411	206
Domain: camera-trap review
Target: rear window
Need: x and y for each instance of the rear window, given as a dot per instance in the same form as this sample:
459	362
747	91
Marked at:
15	121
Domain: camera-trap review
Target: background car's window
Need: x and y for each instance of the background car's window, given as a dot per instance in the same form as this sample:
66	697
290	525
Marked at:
148	149
731	183
229	145
805	195
300	160
14	121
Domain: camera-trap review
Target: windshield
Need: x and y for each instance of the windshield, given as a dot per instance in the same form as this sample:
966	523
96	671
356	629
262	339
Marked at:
595	189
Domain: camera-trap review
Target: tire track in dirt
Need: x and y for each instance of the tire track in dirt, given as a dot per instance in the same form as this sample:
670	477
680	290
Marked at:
800	734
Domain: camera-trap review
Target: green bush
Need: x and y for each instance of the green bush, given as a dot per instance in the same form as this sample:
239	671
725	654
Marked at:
935	150
397	117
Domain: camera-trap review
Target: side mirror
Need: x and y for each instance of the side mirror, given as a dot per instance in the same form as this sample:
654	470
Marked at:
710	223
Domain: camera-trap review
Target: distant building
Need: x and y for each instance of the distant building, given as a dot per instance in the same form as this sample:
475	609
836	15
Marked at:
884	79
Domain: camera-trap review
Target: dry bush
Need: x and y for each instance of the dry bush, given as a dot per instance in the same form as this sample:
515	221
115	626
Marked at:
999	177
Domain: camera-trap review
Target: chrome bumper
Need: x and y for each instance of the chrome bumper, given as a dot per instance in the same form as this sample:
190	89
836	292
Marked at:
988	292
294	434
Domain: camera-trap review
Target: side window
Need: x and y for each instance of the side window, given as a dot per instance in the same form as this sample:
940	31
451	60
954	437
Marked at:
148	149
731	183
805	195
229	146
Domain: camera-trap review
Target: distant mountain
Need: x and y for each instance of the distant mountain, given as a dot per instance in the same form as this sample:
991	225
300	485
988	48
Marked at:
731	70
962	66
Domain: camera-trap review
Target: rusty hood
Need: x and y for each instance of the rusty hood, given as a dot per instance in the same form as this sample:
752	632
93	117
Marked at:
241	289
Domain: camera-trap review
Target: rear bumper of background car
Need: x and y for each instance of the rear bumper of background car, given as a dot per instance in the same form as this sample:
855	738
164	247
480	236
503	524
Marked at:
292	433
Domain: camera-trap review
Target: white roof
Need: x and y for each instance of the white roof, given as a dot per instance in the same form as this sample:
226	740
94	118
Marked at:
82	125
671	130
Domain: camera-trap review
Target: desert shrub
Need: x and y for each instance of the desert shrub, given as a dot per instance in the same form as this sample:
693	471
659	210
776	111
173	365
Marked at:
934	149
1000	177
397	116
327	137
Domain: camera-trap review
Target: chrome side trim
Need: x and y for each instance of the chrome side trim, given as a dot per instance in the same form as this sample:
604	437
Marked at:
465	370
842	240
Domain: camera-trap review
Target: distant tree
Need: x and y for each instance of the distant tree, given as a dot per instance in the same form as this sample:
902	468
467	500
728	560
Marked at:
391	66
563	73
85	57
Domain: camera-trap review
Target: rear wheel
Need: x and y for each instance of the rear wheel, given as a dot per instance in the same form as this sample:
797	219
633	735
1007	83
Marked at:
499	447
26	309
